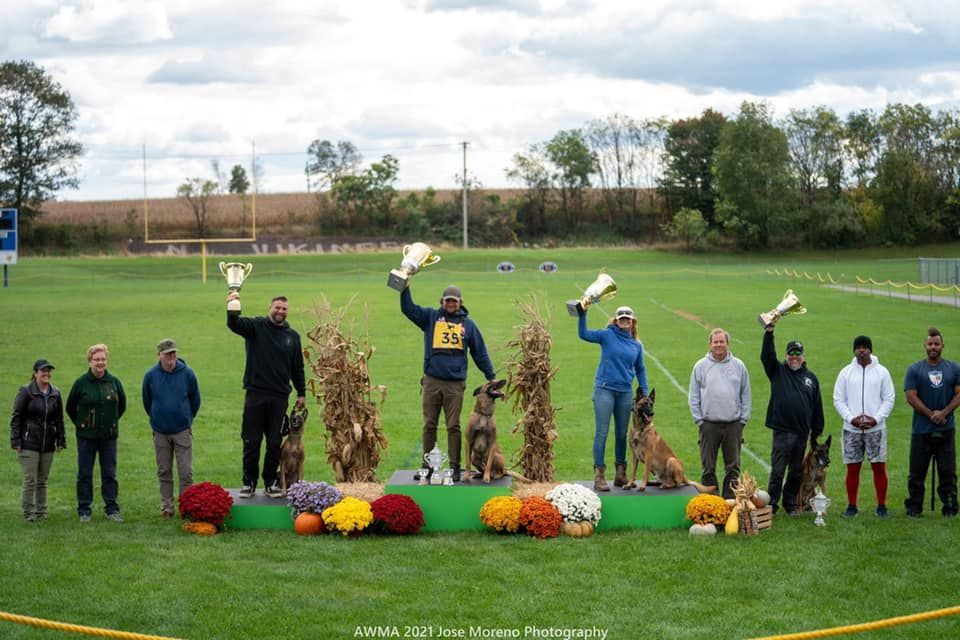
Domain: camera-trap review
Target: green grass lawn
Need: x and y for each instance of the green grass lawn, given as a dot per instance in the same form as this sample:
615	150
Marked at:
145	575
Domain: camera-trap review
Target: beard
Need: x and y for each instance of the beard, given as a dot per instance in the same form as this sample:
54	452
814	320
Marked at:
794	366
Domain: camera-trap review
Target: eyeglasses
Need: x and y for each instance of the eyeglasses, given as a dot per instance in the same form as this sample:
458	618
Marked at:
794	353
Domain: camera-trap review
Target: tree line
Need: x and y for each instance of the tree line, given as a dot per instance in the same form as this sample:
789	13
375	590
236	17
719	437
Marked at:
813	178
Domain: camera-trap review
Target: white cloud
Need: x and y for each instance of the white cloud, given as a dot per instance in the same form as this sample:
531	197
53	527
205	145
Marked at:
109	22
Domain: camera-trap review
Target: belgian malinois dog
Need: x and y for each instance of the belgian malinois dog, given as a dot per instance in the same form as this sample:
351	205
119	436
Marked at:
815	465
292	454
648	447
483	450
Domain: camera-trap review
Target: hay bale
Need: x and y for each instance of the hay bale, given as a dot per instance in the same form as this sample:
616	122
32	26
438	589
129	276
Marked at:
368	491
524	490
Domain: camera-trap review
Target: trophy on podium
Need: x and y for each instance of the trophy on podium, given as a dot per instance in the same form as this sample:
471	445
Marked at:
415	257
235	273
603	288
435	460
789	305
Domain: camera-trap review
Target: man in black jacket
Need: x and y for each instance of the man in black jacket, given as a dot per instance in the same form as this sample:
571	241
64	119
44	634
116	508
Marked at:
274	359
795	410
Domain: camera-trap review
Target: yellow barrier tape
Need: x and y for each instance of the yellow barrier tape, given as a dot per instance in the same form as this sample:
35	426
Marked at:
76	628
867	626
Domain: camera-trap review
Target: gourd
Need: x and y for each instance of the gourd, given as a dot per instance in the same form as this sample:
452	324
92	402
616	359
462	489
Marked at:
708	529
581	529
733	522
200	528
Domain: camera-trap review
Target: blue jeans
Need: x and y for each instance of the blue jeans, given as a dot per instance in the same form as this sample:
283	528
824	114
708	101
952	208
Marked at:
87	451
607	403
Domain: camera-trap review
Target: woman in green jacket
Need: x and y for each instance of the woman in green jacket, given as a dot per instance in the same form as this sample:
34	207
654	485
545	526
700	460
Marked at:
95	405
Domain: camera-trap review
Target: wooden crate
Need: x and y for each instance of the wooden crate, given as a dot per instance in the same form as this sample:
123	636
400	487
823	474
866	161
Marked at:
764	517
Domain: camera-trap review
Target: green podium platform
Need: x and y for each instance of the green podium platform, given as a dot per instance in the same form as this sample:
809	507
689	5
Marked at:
455	508
654	508
258	512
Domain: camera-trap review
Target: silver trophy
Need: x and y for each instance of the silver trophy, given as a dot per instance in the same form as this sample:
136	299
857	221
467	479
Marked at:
789	305
235	273
415	257
819	504
603	288
435	460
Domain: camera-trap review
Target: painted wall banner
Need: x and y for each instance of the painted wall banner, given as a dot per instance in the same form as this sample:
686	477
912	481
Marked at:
548	267
271	246
506	267
8	236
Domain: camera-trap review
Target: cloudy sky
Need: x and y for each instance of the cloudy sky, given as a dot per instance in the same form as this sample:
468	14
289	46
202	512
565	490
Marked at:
195	80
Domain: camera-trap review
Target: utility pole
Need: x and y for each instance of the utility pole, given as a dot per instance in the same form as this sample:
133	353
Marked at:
464	193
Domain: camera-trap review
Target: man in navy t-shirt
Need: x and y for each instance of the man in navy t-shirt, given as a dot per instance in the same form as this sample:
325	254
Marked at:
932	386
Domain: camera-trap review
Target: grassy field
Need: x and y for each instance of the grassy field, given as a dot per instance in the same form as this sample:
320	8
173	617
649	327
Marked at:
146	575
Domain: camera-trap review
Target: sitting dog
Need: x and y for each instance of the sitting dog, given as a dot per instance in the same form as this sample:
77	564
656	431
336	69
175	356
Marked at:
292	454
483	449
648	447
815	465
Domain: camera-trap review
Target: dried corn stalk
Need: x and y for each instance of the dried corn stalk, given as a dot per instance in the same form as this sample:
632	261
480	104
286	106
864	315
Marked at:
743	490
339	378
528	383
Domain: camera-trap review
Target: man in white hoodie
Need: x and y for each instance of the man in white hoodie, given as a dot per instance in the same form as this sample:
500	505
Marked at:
863	396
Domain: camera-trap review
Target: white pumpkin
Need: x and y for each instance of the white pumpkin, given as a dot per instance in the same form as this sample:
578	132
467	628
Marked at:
763	497
708	529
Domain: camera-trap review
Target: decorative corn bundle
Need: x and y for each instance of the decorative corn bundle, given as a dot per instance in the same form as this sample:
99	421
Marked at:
743	491
529	375
339	378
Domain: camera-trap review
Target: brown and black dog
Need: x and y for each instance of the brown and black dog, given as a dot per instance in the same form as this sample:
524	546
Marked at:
648	447
483	450
815	465
292	454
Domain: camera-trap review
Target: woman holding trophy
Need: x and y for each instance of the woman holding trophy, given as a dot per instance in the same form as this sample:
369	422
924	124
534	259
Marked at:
621	360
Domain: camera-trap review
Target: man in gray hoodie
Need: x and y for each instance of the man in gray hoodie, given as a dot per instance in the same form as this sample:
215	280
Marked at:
719	399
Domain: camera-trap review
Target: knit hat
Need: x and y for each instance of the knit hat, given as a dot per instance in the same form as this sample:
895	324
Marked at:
862	341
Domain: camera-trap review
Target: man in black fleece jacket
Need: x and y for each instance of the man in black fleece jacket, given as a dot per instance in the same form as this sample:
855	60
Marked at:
795	410
274	359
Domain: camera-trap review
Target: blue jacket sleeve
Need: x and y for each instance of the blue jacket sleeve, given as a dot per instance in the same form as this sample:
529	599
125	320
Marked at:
587	334
478	350
417	314
641	370
146	393
193	394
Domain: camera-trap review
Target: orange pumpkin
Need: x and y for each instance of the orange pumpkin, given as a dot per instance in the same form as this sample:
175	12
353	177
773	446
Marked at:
308	524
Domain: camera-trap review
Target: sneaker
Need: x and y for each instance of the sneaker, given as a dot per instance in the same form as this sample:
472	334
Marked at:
913	514
796	512
247	491
115	517
852	511
166	515
273	492
882	511
456	474
84	517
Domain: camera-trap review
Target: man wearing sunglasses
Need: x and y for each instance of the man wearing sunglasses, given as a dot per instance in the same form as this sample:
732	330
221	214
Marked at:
794	412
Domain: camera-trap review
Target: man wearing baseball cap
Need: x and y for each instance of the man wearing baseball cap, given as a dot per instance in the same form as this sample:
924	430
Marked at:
448	333
171	397
794	412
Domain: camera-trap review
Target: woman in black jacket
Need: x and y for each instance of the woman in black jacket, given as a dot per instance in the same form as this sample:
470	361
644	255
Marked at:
36	432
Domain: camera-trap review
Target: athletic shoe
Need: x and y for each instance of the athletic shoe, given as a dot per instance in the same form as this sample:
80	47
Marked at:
166	515
273	492
247	491
115	517
853	512
882	511
84	517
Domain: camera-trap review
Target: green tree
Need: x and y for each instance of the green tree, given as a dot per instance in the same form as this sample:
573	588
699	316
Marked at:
687	226
366	198
530	170
752	177
328	163
38	156
815	137
862	144
238	185
573	164
687	180
196	193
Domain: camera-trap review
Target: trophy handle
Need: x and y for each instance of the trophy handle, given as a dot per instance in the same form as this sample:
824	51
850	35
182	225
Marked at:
247	268
223	270
406	250
434	259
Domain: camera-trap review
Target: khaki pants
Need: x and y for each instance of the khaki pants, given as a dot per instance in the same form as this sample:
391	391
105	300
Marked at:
36	470
447	395
167	446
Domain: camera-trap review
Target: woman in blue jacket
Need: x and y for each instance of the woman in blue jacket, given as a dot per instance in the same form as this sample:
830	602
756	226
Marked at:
621	359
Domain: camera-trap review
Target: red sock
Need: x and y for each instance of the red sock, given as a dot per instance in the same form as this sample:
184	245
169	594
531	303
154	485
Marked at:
880	481
853	482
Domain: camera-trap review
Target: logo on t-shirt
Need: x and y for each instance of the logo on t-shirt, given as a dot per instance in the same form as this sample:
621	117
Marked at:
936	378
808	382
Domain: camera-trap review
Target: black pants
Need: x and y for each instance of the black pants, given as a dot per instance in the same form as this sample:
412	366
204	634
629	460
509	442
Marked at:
786	456
941	447
262	419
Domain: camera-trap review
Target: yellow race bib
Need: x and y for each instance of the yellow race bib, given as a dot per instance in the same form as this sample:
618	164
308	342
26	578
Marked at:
447	335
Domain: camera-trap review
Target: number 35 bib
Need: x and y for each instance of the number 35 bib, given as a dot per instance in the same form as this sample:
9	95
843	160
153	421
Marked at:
447	335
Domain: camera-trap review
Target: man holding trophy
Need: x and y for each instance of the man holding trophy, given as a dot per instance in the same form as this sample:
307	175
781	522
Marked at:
795	409
274	359
448	333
